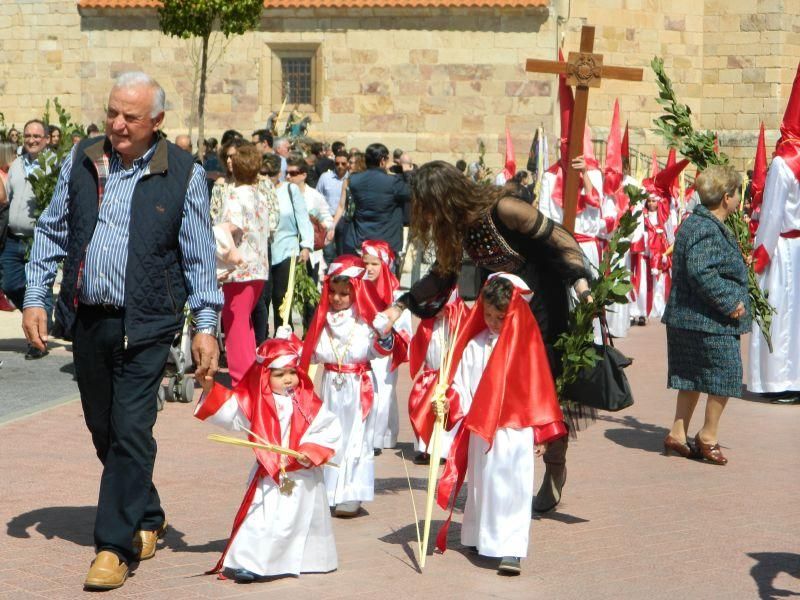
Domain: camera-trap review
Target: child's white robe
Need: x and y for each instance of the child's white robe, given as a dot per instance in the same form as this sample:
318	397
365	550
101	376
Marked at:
497	516
387	417
354	480
433	357
284	534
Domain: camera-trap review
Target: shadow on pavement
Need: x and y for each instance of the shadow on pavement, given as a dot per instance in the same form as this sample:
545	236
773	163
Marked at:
407	538
768	566
555	515
216	546
644	436
75	524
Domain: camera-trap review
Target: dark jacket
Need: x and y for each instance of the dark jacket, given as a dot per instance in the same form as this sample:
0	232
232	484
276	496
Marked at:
155	286
709	278
379	200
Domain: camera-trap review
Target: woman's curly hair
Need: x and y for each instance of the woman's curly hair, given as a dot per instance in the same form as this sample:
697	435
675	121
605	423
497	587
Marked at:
444	203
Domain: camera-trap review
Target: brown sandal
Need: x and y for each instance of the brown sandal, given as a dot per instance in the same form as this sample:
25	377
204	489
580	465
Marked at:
710	452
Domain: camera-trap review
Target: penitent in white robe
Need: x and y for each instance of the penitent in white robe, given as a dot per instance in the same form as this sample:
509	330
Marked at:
658	280
285	534
617	315
354	480
497	516
780	214
387	417
433	358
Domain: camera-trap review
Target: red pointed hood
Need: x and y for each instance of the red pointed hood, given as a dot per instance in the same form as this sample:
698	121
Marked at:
674	186
788	147
625	148
588	149
759	172
660	184
612	174
654	165
510	165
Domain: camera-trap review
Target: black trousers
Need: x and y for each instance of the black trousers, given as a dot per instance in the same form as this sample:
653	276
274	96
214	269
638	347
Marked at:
118	393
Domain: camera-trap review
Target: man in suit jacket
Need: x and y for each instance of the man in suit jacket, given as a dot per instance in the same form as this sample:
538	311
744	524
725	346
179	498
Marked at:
380	200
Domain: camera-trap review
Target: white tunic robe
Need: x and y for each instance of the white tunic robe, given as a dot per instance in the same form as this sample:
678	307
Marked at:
285	534
658	279
354	341
780	213
497	516
387	417
617	315
433	358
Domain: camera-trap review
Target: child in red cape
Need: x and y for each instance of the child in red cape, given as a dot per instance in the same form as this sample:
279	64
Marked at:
283	525
425	358
342	338
378	259
503	394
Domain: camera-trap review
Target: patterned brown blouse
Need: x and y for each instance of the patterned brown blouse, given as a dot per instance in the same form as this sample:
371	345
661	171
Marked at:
514	237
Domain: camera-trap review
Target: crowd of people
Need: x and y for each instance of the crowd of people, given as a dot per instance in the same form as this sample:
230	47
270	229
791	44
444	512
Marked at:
143	228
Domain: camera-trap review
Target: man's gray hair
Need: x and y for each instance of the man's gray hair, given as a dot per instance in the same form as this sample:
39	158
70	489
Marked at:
131	79
280	141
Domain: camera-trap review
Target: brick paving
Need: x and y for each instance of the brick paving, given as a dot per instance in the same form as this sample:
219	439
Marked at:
633	523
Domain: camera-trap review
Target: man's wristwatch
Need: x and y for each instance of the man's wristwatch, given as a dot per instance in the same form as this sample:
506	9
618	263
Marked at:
206	330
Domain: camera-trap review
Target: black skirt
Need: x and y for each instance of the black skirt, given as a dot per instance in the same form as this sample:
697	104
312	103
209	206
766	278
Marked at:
704	362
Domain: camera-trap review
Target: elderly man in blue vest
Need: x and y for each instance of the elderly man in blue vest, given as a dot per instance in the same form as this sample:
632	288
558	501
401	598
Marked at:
130	218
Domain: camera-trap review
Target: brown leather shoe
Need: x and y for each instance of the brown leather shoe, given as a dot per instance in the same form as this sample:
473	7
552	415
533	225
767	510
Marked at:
106	572
680	448
145	541
710	452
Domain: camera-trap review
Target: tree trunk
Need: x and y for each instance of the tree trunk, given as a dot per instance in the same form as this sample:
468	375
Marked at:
202	99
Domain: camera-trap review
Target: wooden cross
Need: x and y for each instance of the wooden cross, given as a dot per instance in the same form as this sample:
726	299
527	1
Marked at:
583	70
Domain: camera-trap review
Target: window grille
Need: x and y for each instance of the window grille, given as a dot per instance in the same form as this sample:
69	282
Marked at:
296	78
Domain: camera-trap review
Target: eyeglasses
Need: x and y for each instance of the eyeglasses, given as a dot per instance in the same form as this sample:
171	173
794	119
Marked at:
292	173
342	163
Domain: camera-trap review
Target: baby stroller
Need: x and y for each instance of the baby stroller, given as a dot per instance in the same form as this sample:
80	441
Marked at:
180	385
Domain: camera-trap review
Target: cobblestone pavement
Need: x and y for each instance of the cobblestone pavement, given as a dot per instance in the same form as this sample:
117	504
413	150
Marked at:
633	523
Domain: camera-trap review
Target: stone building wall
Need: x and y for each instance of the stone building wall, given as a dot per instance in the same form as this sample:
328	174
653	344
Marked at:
431	81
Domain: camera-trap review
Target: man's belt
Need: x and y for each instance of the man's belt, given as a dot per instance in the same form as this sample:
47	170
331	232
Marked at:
102	309
792	234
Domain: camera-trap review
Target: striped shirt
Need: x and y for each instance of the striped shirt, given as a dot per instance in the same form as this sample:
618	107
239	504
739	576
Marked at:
107	254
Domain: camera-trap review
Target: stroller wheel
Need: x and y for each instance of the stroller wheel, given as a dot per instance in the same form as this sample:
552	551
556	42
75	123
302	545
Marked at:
169	390
184	390
160	397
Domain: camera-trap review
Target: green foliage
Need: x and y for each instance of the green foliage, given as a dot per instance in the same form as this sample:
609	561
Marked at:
676	128
44	177
484	174
305	290
198	18
676	125
611	286
760	308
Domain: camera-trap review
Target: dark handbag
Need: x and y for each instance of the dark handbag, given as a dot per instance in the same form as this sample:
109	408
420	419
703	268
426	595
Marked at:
604	386
470	279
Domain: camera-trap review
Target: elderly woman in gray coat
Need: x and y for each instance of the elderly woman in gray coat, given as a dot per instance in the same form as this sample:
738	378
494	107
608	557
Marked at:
708	309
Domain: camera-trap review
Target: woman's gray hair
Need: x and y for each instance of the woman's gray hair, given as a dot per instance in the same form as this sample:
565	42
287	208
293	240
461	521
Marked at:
130	79
716	181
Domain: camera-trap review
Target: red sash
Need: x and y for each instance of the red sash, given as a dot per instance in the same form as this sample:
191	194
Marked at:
367	391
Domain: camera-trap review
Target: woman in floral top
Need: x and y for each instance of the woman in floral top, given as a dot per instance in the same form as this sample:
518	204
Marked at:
245	213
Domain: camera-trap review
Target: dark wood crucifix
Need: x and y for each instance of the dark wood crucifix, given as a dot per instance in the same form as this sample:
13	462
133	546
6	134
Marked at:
584	70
